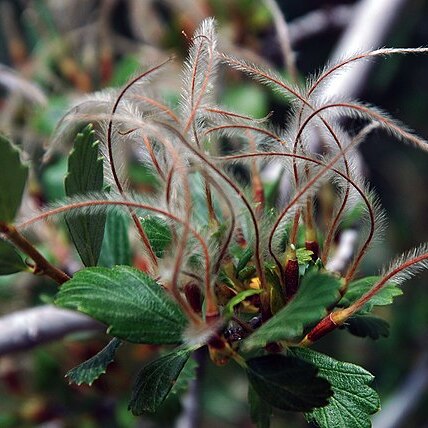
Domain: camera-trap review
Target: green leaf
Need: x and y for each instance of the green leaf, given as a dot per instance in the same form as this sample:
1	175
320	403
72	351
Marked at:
171	407
367	326
247	272
277	300
115	249
13	176
260	411
288	383
159	234
317	292
10	260
236	300
244	259
85	174
92	369
304	256
358	288
155	381
134	306
187	375
142	176
353	400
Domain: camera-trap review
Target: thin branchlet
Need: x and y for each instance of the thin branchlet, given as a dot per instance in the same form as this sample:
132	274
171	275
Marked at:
137	223
314	180
400	270
266	77
237	190
330	70
363	111
325	169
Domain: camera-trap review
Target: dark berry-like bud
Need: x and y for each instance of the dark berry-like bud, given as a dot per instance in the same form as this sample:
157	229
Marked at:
193	295
314	247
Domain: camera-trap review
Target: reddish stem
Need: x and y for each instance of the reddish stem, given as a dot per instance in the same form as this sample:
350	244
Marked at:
42	265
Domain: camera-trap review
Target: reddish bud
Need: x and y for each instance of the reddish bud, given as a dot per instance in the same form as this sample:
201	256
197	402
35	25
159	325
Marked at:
193	295
217	342
291	278
314	247
325	326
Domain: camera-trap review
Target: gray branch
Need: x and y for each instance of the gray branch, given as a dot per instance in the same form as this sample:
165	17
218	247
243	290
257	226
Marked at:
191	414
319	21
345	250
371	23
283	36
28	328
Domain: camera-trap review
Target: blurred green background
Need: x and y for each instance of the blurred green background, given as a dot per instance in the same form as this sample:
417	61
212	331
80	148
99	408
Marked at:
70	47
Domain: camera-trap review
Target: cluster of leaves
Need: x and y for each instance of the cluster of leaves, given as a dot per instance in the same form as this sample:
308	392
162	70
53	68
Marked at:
220	262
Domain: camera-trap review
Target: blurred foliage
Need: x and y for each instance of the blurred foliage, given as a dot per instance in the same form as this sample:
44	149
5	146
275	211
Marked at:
65	49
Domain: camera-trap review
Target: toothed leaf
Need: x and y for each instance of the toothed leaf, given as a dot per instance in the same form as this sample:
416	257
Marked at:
367	326
288	383
187	375
13	176
134	306
304	256
317	292
159	234
244	259
155	381
92	369
358	288
115	249
353	400
85	174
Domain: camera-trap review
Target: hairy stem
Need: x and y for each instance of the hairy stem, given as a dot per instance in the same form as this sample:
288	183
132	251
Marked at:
203	158
336	319
295	199
119	186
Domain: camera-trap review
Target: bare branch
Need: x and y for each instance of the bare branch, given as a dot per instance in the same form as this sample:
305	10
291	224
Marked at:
318	21
191	414
371	23
29	328
283	35
344	252
15	83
